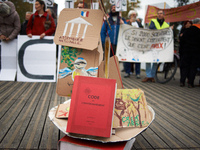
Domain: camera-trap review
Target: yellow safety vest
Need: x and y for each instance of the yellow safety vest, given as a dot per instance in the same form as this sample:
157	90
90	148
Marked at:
164	25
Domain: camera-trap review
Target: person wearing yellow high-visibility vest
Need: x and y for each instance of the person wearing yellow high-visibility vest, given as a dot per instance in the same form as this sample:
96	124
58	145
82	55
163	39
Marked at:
157	24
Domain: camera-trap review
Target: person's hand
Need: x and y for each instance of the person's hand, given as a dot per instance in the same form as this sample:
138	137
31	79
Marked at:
29	35
42	35
7	39
172	27
181	34
2	37
121	21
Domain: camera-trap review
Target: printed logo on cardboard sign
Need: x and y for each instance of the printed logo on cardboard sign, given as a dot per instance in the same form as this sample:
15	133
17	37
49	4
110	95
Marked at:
79	28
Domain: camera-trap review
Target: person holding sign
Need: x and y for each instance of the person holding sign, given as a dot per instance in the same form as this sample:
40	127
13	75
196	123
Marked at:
40	23
115	20
127	65
156	24
9	21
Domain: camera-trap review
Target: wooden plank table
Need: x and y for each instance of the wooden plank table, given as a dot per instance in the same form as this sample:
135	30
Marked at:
24	122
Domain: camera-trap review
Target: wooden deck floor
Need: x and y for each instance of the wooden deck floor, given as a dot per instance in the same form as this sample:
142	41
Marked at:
24	122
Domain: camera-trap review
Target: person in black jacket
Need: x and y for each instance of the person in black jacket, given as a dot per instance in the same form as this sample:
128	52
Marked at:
24	24
186	25
190	53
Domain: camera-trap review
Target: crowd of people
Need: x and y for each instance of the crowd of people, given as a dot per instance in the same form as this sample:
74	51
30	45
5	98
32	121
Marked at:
43	23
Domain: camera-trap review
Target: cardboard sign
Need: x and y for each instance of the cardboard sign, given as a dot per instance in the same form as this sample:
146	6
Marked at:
113	71
79	28
63	110
144	45
131	109
69	3
8	60
73	62
36	59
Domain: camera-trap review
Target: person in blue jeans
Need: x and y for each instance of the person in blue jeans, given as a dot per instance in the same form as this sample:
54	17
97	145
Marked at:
155	24
127	65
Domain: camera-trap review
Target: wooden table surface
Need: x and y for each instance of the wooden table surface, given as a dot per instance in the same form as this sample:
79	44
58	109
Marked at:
24	122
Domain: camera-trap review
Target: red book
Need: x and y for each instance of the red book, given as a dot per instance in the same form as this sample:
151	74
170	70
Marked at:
74	144
91	108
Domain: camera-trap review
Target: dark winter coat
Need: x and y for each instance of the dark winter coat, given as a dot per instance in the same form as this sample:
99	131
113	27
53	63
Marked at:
10	24
113	34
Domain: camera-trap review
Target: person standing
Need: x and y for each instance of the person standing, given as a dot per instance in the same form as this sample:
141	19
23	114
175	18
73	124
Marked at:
155	24
187	24
40	23
190	53
9	21
132	15
115	20
24	24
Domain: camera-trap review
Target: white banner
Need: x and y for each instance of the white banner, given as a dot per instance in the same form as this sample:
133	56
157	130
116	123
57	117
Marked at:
69	3
8	60
144	45
36	59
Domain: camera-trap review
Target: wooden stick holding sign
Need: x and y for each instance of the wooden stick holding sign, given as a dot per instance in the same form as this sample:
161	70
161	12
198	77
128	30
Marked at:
107	56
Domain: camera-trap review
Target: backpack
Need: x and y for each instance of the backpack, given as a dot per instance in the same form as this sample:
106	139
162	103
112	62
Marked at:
47	22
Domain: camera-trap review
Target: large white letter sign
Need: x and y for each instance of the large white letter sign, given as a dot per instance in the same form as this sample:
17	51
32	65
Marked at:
36	59
8	60
144	45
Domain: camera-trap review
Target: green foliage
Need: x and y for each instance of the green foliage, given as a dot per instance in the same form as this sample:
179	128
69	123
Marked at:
22	7
68	55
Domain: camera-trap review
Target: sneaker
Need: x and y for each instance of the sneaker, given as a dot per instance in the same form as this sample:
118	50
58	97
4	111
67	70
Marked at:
127	75
138	76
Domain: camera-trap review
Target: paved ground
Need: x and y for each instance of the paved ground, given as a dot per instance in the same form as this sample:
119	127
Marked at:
24	109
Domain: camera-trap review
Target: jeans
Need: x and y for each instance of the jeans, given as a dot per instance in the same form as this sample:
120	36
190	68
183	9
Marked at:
151	70
127	67
137	68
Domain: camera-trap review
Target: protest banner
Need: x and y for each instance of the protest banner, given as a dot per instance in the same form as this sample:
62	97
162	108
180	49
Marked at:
183	13
8	60
144	45
36	59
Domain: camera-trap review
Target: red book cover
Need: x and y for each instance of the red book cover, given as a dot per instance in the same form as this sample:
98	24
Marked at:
80	144
92	104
